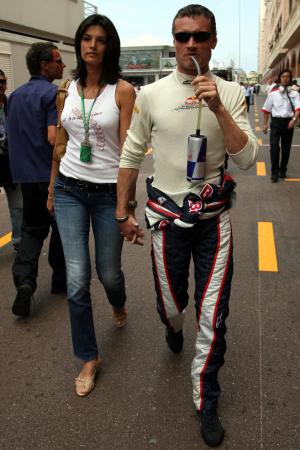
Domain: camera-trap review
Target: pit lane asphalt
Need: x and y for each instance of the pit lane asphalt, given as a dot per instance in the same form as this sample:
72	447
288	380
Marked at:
143	394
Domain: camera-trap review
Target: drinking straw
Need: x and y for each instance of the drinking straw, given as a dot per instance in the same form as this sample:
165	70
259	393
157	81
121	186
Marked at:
200	101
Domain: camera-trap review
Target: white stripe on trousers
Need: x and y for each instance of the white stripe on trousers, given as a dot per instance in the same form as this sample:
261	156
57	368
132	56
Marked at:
209	305
173	314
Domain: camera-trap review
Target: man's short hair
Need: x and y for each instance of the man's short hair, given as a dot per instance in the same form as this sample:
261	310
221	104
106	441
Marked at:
284	71
195	11
38	52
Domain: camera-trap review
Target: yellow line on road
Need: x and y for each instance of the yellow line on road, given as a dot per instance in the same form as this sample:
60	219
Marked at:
292	179
261	169
257	128
267	260
259	141
5	239
257	120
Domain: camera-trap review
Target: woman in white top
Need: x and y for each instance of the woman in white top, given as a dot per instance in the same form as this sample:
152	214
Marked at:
96	116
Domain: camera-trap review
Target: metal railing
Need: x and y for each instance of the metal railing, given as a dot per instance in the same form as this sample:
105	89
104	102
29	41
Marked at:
89	9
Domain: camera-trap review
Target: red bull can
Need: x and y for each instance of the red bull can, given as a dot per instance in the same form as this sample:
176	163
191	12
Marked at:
196	157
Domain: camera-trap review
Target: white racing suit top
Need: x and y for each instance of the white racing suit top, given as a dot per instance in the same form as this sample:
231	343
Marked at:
165	114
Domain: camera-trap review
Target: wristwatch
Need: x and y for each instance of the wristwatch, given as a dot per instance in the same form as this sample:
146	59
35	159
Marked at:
294	118
132	204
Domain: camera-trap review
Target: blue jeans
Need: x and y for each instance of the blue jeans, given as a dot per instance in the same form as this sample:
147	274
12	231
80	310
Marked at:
75	209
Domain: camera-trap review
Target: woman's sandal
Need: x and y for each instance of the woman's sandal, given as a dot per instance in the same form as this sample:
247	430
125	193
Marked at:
85	384
120	316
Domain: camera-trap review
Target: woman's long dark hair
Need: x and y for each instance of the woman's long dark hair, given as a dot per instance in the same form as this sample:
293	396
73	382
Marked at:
111	71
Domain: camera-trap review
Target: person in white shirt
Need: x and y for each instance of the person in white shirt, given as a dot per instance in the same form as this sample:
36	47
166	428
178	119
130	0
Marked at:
247	94
189	218
251	90
283	105
96	116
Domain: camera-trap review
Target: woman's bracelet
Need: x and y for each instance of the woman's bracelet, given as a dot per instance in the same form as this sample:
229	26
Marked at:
121	219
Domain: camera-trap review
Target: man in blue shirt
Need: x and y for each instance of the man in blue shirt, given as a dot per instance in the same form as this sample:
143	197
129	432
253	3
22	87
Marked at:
31	124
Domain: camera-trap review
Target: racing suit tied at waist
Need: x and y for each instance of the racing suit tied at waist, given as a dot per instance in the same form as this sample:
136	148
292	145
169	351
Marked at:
162	211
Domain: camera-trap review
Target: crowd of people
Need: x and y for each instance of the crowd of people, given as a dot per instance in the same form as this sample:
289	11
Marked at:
76	166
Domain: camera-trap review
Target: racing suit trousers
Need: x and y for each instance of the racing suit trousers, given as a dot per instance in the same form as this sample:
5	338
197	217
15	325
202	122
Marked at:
209	242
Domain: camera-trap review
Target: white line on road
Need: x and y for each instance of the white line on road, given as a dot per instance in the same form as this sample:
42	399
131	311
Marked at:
260	365
268	145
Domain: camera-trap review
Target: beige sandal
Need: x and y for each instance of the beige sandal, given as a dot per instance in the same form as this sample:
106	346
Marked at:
120	316
85	384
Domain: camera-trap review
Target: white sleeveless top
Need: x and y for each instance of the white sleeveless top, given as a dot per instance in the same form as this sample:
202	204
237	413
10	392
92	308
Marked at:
103	135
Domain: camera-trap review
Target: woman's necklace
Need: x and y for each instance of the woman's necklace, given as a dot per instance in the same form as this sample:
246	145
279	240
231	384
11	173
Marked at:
86	146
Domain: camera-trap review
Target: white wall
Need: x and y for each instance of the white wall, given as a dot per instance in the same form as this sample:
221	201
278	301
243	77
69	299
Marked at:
59	17
28	21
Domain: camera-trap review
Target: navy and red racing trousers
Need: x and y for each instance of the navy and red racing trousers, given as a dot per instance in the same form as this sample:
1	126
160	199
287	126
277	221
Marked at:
209	242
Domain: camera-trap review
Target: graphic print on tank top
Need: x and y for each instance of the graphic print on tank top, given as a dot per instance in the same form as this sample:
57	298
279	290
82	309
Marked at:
76	114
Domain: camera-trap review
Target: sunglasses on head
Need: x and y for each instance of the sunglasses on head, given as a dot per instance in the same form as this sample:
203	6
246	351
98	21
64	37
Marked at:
199	36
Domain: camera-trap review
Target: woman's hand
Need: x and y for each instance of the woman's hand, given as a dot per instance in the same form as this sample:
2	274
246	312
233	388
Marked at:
50	204
131	231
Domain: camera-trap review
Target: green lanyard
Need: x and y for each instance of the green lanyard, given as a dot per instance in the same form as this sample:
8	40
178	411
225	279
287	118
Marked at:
86	119
86	146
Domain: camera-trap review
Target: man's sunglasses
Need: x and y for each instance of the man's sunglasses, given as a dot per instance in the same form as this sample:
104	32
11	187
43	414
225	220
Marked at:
2	81
199	36
57	61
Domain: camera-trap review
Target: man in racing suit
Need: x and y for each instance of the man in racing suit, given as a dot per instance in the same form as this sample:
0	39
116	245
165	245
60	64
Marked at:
189	219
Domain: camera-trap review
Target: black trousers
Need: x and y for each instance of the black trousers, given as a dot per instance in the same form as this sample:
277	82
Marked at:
35	228
247	98
280	132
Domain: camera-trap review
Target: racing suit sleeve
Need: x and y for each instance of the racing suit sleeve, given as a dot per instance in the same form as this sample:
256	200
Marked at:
138	135
247	156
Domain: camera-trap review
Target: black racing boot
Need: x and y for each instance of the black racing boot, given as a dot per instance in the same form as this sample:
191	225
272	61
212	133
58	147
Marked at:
211	428
21	306
174	340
